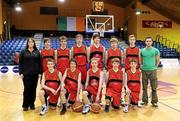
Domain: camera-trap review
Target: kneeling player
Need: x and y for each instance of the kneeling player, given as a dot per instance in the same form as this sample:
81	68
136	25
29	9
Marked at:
71	82
133	85
50	87
114	85
93	86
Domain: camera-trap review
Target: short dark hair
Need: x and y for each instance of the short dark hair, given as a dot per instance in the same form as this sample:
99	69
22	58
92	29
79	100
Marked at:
73	60
46	39
131	35
148	38
96	35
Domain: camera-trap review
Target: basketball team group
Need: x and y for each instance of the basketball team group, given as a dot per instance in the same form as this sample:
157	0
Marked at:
76	77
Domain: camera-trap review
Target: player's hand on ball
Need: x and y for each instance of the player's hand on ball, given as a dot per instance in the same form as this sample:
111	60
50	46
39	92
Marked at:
97	99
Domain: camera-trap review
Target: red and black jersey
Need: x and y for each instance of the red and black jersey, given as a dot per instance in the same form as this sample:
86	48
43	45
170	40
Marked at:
80	54
63	59
133	80
131	53
94	78
97	53
52	79
113	54
115	80
45	55
71	81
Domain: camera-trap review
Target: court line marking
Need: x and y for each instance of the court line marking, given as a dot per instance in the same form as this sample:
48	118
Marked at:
169	106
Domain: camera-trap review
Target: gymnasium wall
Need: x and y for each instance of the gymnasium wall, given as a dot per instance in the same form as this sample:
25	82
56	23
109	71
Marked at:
131	18
1	22
30	17
172	34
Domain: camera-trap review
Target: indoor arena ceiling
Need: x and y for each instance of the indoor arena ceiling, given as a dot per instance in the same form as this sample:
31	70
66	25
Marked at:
168	8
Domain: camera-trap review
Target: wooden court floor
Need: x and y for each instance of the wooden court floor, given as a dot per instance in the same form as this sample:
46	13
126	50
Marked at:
168	91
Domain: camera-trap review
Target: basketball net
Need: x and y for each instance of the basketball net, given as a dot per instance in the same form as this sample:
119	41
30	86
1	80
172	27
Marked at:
101	33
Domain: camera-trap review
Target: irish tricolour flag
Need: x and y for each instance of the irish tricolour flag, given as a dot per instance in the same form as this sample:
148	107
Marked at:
71	24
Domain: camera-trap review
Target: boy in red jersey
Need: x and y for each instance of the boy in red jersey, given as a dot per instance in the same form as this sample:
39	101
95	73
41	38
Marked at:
63	55
50	87
46	53
79	53
96	50
133	86
93	88
113	52
114	85
131	52
71	82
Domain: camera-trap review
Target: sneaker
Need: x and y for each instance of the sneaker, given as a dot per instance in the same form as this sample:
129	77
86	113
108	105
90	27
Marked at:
43	110
106	108
25	109
86	109
125	109
139	104
144	103
63	111
32	107
155	105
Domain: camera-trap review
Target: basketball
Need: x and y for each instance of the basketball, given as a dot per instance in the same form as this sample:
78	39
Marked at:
77	107
95	108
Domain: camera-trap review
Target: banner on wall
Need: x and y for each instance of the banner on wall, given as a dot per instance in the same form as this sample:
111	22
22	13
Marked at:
156	24
71	24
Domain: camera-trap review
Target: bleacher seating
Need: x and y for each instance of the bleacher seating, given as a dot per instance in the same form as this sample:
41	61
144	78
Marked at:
165	52
9	47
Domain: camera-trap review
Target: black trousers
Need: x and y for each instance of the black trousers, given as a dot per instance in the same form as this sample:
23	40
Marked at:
29	94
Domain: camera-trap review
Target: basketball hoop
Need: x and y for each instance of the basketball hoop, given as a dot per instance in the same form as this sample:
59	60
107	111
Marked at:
101	33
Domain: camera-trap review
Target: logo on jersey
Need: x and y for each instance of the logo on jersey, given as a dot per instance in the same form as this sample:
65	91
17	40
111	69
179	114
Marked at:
94	82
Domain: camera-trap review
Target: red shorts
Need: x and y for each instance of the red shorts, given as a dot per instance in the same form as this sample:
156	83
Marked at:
53	99
135	90
83	71
71	94
111	94
92	93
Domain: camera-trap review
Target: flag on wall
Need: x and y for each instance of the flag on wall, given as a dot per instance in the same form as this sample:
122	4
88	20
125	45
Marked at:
71	24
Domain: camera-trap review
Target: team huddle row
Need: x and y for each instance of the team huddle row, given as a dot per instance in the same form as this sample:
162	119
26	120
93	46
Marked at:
76	76
65	74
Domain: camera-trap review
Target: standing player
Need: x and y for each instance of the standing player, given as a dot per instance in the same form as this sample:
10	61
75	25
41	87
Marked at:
133	85
113	52
131	52
71	82
114	85
63	55
79	53
46	53
96	50
50	87
93	89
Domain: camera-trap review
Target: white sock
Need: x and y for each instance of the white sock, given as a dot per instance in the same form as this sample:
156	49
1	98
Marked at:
44	105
